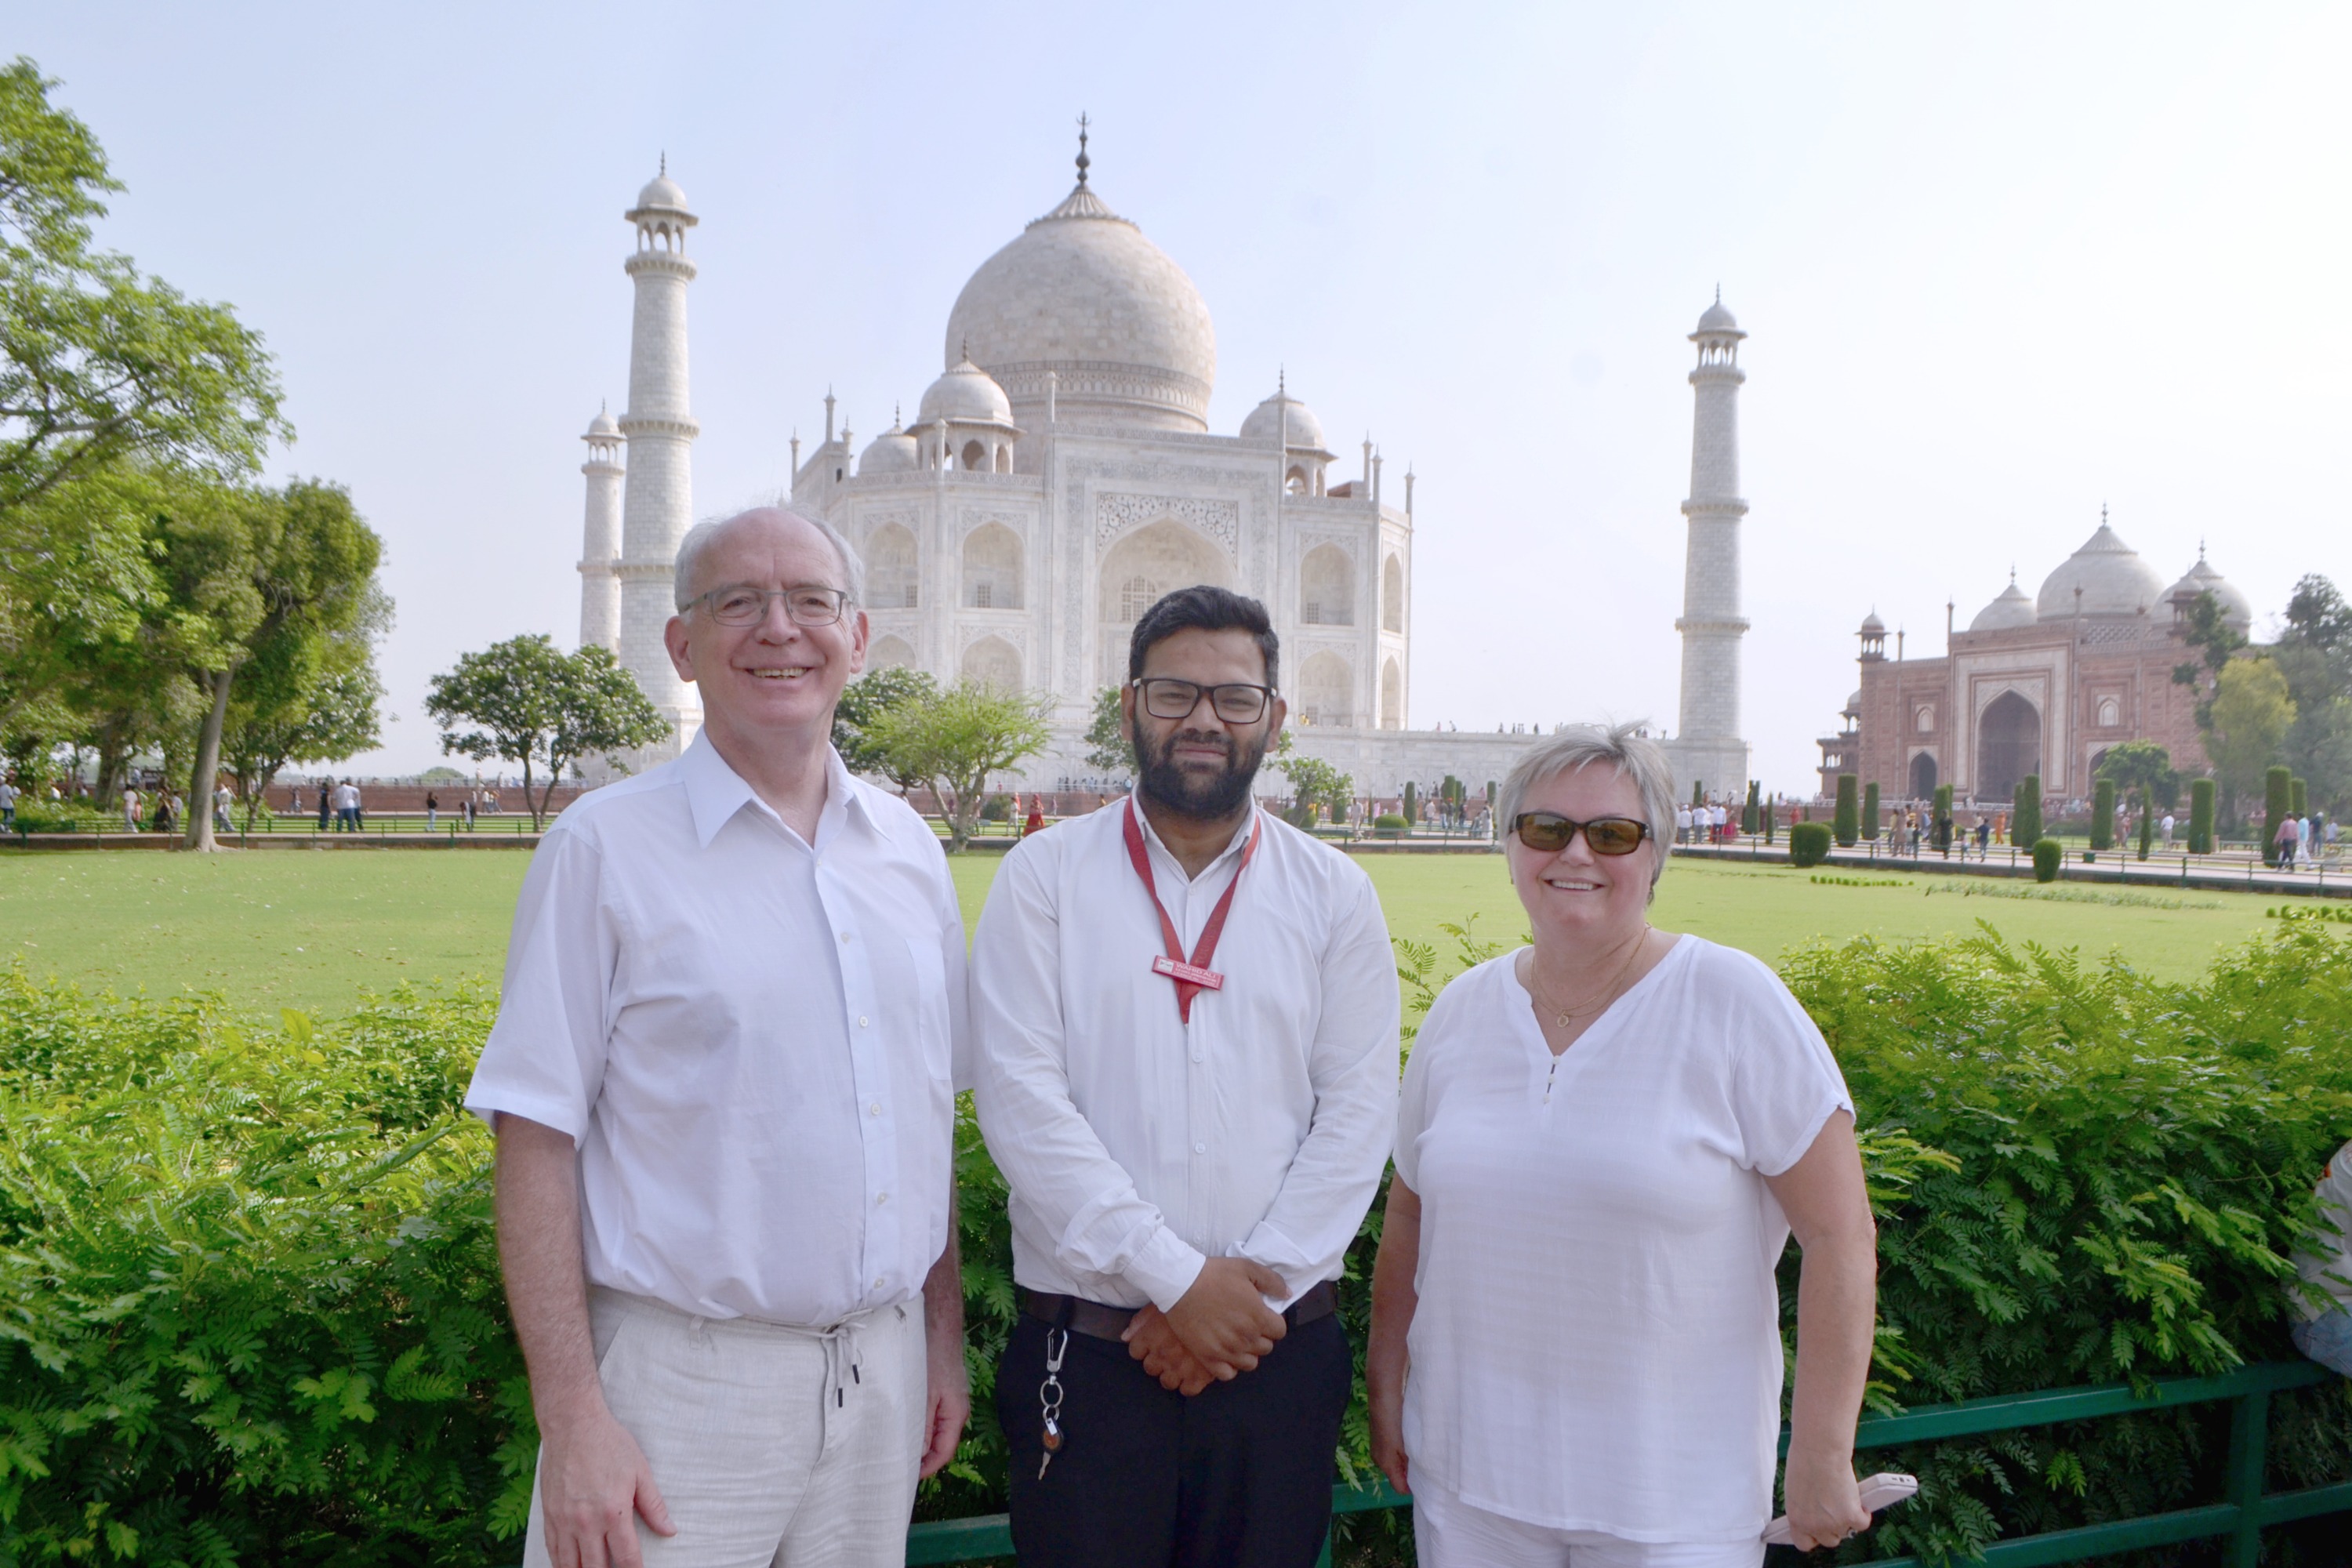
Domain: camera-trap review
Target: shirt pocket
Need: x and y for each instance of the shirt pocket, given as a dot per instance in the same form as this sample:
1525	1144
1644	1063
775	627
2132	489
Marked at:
933	1023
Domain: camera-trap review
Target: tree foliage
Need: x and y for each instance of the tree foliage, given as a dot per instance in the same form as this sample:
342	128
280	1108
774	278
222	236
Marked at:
1313	782
1108	751
2251	713
99	364
957	739
862	702
2142	769
2315	652
1847	819
2215	642
526	701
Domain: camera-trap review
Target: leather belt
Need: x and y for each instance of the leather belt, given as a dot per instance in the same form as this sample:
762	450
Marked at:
1097	1321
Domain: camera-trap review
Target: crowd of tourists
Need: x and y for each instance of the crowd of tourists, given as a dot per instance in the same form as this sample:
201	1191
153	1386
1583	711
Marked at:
739	1009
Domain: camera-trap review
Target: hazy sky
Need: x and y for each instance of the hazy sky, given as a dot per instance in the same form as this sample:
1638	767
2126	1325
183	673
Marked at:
2000	266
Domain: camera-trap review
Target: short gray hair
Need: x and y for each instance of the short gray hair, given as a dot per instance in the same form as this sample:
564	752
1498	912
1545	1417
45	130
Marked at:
699	537
1624	747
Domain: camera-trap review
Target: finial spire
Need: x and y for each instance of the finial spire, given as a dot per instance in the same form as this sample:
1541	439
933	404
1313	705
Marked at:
1083	160
664	163
967	350
1718	293
1282	383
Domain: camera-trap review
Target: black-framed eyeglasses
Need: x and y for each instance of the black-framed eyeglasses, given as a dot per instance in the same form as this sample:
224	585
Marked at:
1548	832
742	605
1235	702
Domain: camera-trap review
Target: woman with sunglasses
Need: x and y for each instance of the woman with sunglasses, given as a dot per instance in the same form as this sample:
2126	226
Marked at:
1603	1144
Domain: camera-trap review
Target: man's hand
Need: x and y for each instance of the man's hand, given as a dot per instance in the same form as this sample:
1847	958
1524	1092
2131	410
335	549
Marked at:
1224	1318
593	1483
950	1396
1150	1340
1824	1502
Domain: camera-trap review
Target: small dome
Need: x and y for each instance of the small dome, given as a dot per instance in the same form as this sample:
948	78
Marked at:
603	425
662	192
1718	320
2236	608
1853	703
965	395
1872	626
2012	609
2113	580
891	452
1301	431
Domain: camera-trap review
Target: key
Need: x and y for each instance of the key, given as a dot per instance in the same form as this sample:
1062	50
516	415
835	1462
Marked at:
1053	1441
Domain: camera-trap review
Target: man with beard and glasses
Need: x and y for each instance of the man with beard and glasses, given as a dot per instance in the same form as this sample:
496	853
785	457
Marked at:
1185	1021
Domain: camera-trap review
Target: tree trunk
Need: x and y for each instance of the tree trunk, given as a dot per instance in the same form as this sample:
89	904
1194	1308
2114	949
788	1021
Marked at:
547	795
528	799
205	777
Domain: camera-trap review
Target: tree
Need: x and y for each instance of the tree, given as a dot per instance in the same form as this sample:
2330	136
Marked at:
2216	642
2315	652
2251	713
1107	751
322	709
1942	824
99	365
2025	812
243	569
1847	821
1748	813
1869	811
2200	817
2102	814
531	704
954	740
1313	781
2142	771
1411	804
862	702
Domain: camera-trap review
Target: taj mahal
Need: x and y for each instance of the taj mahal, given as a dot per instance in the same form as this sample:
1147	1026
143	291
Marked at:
1061	474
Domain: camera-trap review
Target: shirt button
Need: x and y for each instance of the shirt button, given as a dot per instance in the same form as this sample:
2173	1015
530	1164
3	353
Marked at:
875	1109
877	1282
1200	1148
845	936
861	1020
881	1199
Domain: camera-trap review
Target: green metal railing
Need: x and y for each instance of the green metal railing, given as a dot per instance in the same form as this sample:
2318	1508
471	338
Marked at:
2244	1510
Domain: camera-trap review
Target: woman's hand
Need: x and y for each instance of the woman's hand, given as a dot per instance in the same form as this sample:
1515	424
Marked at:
1386	1360
1386	1409
1824	1503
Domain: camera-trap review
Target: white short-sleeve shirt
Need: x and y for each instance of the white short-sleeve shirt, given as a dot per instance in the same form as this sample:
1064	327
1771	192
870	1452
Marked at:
1597	1344
755	1040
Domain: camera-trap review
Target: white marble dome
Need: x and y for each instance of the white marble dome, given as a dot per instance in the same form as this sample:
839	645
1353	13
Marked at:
1301	431
1718	320
2012	608
891	452
965	395
604	426
2236	608
2114	580
1083	296
662	192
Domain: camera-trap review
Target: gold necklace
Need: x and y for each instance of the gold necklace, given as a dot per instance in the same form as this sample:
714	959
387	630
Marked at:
1565	1016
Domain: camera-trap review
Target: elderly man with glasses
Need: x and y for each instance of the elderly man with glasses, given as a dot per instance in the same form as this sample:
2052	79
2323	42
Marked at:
723	1079
1185	1020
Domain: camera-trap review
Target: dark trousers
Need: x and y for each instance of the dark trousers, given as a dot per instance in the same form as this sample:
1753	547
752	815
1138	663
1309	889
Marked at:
1239	1475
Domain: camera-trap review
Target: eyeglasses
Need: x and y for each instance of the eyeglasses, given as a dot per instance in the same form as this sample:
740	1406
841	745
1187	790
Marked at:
1165	697
742	605
1548	832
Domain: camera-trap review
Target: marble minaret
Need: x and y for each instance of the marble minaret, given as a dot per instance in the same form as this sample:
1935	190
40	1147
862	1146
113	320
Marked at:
658	497
599	537
1706	748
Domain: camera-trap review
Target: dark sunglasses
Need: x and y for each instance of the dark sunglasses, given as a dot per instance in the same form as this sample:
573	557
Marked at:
1549	832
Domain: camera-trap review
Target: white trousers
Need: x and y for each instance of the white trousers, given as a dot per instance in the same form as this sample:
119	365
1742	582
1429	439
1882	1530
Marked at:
773	1447
1450	1534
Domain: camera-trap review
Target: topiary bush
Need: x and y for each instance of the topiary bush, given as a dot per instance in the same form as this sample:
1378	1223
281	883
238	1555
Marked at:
2025	811
1809	843
2048	856
1848	818
2102	814
2200	817
1870	812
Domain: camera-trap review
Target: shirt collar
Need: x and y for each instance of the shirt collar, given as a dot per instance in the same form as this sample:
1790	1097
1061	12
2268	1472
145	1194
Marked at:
1239	842
716	792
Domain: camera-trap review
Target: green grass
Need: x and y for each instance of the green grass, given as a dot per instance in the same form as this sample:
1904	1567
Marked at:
310	929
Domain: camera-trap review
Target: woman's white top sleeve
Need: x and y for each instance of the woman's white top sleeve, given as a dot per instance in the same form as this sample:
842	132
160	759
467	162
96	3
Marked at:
1597	1344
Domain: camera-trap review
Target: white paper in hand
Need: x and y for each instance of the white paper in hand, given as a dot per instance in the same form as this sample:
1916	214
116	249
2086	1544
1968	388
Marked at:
1882	1490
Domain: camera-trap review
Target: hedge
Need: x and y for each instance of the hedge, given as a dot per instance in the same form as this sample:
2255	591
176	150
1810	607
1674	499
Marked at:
2200	817
2025	811
2102	814
1809	843
1847	821
2048	856
252	1311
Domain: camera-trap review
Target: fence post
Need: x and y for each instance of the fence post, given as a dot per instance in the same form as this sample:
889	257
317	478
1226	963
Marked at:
2249	1433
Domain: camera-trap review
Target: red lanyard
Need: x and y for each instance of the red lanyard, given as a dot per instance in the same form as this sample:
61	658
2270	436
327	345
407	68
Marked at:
1195	976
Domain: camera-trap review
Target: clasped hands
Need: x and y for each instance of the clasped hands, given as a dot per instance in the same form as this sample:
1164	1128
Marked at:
1215	1332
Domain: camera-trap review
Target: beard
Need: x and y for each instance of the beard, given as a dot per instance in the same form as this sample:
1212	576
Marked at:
1209	798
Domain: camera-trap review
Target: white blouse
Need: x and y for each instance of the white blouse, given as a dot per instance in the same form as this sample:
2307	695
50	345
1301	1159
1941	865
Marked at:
1597	1344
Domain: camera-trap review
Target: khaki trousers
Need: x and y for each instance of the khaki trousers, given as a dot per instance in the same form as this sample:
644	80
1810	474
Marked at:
774	1446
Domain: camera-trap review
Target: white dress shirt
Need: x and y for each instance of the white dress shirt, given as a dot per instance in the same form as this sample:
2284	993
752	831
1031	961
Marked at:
1137	1145
1597	1344
754	1041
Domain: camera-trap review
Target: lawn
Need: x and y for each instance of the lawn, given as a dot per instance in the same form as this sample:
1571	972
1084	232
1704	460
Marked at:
309	930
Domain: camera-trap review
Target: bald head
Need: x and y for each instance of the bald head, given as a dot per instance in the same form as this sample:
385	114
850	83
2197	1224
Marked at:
767	520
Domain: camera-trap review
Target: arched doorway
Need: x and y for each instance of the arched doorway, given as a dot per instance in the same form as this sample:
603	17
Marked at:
2009	745
1326	580
1137	569
1391	697
890	576
992	661
1923	775
1327	691
890	651
1392	595
991	568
